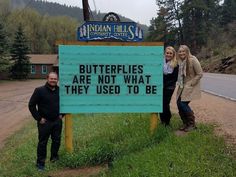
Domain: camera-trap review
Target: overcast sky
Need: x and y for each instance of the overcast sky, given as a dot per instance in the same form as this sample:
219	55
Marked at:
140	11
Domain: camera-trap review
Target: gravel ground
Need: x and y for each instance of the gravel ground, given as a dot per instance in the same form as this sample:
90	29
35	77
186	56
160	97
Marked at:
14	97
217	111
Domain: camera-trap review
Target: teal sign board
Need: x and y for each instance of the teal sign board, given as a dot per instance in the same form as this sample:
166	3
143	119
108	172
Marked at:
110	79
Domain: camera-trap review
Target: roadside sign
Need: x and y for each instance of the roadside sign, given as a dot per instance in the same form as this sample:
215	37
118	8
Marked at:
110	79
98	30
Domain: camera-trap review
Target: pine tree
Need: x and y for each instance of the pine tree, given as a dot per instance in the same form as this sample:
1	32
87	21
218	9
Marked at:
4	59
228	12
173	17
198	18
161	29
19	51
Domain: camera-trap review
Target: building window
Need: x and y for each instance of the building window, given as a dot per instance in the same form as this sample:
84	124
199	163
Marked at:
44	69
33	71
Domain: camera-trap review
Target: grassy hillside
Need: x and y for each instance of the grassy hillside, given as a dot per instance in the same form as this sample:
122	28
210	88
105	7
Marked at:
219	55
56	9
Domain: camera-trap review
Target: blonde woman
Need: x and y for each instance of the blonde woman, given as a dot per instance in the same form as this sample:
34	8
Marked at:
170	75
190	73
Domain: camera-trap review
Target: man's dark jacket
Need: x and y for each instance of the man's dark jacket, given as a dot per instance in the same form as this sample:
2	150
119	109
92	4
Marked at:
47	102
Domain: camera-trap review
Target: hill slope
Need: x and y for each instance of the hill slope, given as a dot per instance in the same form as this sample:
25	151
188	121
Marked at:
55	9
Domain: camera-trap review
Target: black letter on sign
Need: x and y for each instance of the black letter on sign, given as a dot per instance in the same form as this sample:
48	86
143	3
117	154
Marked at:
151	89
75	80
81	68
67	89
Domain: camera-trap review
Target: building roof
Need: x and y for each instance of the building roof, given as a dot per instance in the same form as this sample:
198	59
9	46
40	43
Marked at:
44	59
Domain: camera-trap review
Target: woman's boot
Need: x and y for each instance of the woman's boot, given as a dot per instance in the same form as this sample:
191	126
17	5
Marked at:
183	118
190	121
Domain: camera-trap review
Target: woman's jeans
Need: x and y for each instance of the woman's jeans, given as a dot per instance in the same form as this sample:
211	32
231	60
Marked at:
183	106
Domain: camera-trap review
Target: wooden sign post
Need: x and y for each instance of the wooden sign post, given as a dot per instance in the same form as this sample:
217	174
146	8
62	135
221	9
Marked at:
68	133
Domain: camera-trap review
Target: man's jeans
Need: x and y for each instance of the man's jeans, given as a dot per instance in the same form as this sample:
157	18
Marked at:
53	129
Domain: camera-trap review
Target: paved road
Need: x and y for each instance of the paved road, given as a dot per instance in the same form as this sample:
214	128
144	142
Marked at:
223	85
14	97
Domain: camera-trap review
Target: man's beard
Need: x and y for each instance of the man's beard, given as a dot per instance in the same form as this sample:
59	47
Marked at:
52	86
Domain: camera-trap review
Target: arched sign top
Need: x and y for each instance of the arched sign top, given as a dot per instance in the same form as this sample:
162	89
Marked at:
110	29
111	17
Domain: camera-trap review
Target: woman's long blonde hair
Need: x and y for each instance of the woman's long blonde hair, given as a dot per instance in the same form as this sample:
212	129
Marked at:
187	50
173	62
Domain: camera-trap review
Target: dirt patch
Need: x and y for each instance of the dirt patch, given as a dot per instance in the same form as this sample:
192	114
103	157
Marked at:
226	65
14	113
180	133
81	172
217	111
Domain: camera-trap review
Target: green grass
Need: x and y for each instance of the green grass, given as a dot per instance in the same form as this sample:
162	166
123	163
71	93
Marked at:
124	141
197	155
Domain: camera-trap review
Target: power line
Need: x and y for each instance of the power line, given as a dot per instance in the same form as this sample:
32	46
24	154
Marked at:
95	6
90	12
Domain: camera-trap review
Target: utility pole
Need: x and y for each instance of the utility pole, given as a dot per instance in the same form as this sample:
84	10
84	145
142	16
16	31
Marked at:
86	10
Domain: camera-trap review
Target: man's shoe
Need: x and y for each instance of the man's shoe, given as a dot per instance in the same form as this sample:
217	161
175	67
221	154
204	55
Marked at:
40	167
54	159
